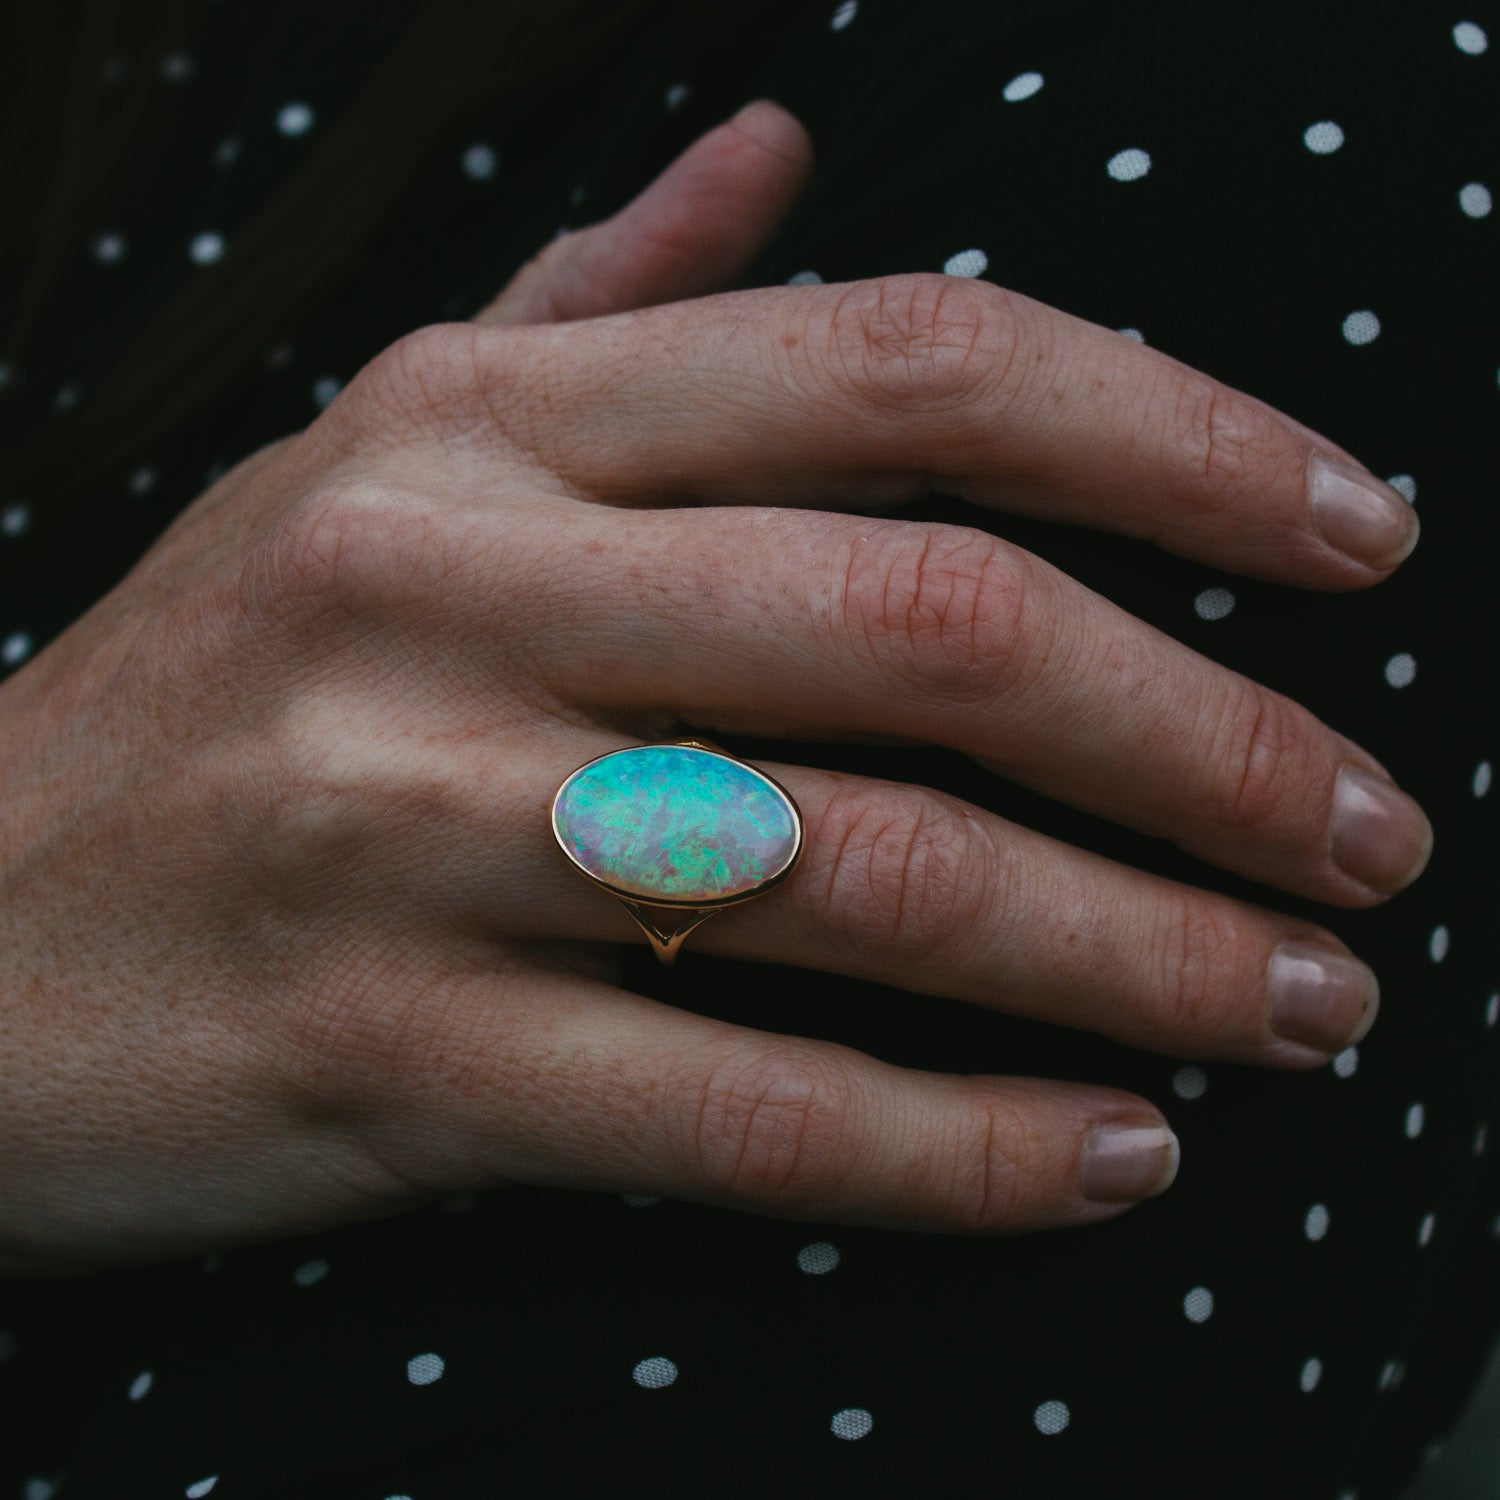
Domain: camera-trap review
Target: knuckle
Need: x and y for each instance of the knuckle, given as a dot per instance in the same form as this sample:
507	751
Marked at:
444	382
1230	442
921	342
345	549
1261	750
349	1046
428	378
936	606
1196	944
767	1126
986	1189
330	791
902	874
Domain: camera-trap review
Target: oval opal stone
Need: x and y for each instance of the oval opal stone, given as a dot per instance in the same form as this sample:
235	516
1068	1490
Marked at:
674	823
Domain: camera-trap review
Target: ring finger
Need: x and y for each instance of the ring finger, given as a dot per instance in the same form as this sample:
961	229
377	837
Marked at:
915	888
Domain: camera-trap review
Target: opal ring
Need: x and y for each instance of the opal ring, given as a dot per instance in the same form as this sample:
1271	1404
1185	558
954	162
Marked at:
682	828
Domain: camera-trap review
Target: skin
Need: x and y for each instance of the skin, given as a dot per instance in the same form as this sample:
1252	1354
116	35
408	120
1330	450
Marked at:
285	941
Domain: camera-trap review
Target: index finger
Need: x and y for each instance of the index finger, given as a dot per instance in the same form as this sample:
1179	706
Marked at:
849	395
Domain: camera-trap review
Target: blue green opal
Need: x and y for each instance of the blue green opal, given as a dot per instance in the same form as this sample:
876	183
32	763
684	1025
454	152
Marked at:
673	823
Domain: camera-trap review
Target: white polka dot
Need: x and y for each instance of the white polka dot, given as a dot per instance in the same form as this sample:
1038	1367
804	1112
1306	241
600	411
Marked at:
457	1203
37	1488
1323	139
423	1369
14	519
310	1272
1391	1375
1312	1373
1401	670
1213	604
1362	327
480	162
1315	1225
851	1423
325	388
201	1488
1483	775
140	1385
966	263
1475	200
108	248
1346	1062
66	398
177	66
804	278
1492	1009
227	152
1481	1138
1127	166
142	481
15	648
840	19
1190	1082
654	1373
1022	86
1051	1417
1437	944
640	1200
1495	1227
1405	485
1416	1118
206	248
817	1259
398	1497
1133	334
1424	1230
677	94
6	372
1198	1305
294	119
1468	37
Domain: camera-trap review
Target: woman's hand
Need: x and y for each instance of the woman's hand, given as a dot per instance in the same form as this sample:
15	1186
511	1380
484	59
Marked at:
285	939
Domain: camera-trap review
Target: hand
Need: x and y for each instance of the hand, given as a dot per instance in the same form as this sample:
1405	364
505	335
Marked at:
285	940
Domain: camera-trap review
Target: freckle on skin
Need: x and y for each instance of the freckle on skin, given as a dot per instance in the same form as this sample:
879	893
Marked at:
790	340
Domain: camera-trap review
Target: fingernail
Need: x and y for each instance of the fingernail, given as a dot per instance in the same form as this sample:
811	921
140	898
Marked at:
1123	1163
1319	996
1362	517
1378	834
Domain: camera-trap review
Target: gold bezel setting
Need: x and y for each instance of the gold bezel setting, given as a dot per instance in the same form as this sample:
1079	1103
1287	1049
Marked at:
667	942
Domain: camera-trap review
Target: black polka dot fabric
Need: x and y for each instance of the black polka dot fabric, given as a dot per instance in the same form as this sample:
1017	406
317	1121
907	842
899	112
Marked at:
1295	198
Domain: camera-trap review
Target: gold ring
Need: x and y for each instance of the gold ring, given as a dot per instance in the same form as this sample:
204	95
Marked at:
679	826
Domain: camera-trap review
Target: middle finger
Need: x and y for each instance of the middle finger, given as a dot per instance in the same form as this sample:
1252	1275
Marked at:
854	626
